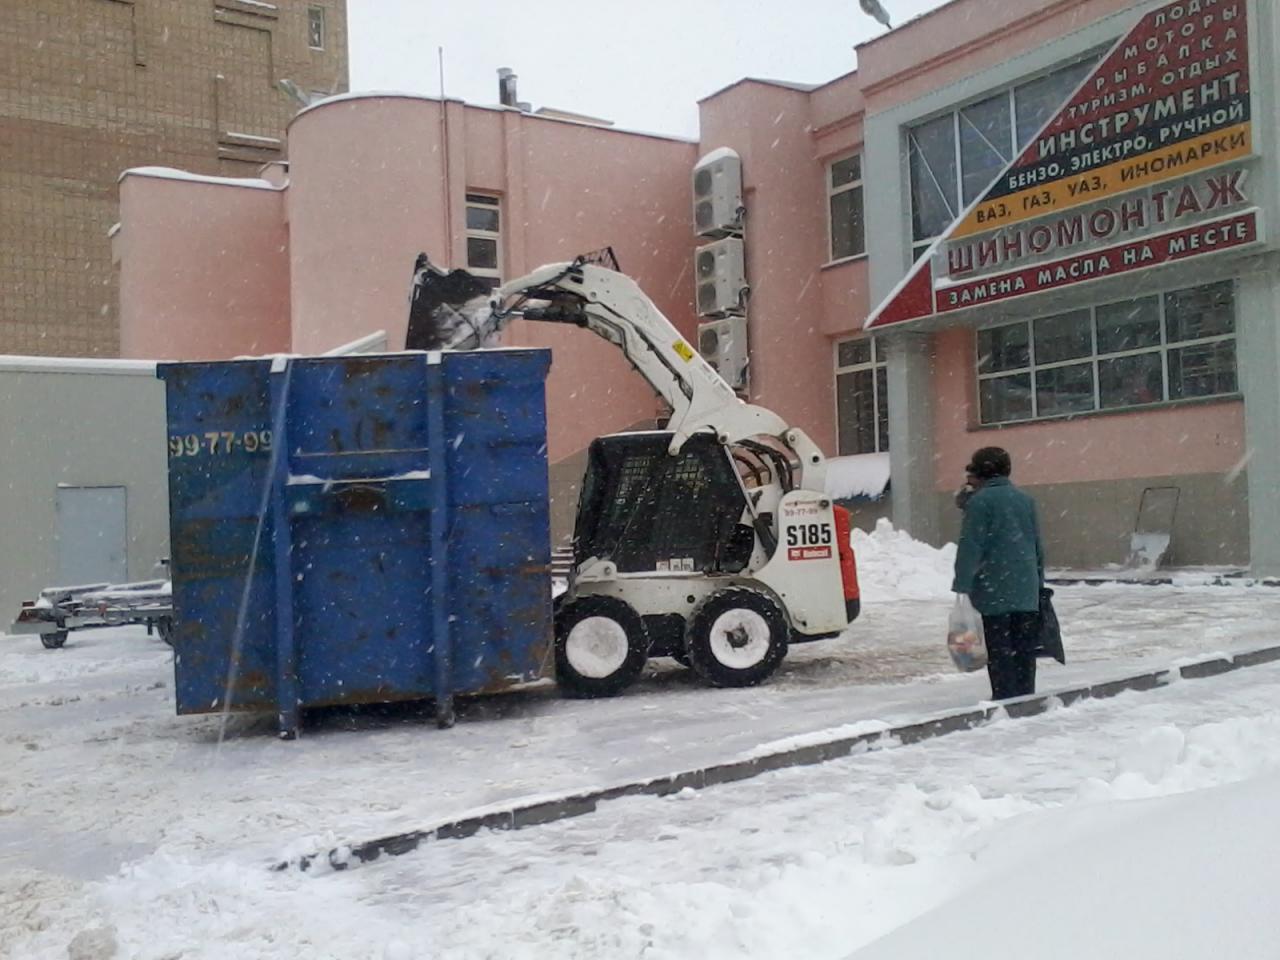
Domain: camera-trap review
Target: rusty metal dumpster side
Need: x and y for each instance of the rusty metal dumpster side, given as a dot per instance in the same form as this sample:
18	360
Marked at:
357	529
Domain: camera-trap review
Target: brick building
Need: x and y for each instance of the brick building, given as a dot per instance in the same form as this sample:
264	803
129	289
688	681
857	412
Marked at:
1039	224
91	87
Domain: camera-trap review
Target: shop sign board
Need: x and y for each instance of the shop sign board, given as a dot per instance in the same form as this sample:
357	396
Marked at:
1145	163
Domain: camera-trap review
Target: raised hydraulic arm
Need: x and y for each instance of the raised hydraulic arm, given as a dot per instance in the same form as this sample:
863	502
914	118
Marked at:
611	305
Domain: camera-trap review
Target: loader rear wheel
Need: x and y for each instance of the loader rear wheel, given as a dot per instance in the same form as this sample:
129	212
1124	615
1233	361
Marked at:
737	638
52	641
601	646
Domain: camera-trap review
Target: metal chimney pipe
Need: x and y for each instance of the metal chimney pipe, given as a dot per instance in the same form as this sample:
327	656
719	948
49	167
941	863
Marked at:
506	86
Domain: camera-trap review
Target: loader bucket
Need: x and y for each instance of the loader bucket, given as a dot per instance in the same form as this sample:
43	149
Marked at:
447	311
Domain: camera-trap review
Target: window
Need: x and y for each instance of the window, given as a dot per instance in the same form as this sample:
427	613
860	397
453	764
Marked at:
844	208
986	144
484	236
953	158
931	158
862	397
315	28
1175	346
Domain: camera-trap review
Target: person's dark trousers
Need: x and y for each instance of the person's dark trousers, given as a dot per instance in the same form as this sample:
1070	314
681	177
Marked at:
1011	653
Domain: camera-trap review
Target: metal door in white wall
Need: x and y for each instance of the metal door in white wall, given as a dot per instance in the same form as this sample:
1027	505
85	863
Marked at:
92	535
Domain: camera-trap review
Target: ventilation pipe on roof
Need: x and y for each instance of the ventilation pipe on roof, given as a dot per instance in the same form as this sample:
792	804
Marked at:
507	87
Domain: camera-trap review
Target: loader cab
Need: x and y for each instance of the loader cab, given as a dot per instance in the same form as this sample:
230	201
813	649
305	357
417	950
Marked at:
646	509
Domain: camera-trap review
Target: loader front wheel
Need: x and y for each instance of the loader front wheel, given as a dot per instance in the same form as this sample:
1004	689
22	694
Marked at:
737	638
601	646
55	640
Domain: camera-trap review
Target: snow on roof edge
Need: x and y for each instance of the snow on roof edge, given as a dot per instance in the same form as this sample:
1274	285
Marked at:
367	95
859	475
719	153
497	107
170	173
25	364
766	81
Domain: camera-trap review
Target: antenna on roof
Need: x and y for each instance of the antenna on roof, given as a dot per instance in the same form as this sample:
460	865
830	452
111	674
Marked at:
440	56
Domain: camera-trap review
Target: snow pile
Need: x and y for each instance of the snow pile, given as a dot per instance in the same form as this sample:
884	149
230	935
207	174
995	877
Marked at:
861	475
720	153
893	566
1121	811
1191	875
169	173
926	851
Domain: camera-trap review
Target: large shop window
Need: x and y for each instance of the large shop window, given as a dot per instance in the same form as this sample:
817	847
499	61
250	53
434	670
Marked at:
1175	346
484	237
862	397
954	157
844	208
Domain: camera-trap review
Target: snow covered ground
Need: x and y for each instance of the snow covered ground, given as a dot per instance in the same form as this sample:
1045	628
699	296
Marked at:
122	823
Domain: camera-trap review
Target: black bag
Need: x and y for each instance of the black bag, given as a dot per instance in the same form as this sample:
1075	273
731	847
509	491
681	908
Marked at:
1050	633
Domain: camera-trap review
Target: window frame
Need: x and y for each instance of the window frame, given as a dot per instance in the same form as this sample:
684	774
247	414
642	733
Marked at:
917	247
323	19
485	201
1095	359
832	192
877	363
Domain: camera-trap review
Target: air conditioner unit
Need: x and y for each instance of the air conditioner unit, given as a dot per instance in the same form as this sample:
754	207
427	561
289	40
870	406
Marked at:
723	344
721	277
717	194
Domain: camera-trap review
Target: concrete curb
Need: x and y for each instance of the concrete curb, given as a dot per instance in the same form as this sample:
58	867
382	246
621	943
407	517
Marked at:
577	804
1224	581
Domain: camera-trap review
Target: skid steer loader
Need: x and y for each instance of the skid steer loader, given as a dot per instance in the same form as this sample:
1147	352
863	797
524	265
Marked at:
712	540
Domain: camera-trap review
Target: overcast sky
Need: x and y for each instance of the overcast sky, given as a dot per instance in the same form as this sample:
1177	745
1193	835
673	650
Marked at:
641	64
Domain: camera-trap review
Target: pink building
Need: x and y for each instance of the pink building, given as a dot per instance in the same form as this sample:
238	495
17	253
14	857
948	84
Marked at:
1156	375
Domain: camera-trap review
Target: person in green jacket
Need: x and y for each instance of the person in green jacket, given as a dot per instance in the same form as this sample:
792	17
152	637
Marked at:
1000	566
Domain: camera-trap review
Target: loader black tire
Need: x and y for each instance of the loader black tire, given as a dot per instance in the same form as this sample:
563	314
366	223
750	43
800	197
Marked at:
737	638
601	646
52	641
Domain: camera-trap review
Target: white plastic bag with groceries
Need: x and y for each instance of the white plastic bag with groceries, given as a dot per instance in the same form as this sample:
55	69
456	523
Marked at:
965	642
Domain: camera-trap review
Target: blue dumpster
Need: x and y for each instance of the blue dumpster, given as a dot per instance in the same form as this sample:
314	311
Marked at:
357	529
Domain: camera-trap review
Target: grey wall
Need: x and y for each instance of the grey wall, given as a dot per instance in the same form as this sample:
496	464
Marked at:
865	514
565	482
1087	525
1258	293
1258	360
79	428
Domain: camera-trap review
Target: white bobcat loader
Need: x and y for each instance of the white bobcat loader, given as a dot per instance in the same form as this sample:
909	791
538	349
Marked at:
711	541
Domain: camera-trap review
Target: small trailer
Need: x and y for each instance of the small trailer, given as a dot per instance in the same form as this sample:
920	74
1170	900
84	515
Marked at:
59	610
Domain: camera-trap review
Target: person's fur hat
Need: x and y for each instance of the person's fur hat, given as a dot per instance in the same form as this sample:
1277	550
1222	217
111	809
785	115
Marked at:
990	462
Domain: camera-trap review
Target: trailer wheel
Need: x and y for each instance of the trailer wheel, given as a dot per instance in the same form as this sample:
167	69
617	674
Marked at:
52	641
164	627
737	638
601	646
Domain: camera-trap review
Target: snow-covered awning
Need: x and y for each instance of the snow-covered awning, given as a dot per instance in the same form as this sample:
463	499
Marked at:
860	475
